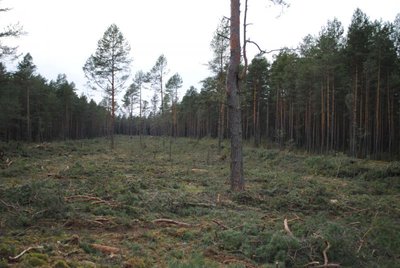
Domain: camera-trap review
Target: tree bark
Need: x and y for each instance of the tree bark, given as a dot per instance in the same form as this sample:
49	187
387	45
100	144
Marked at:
112	111
232	88
28	116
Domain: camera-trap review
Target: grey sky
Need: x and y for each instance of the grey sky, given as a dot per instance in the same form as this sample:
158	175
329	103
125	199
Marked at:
62	34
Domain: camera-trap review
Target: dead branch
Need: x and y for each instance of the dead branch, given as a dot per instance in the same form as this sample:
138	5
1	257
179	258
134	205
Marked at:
244	71
233	260
199	170
325	252
311	263
206	205
94	200
74	240
173	222
223	36
362	240
296	218
327	266
106	249
315	264
326	261
223	226
286	226
261	51
9	162
23	252
9	206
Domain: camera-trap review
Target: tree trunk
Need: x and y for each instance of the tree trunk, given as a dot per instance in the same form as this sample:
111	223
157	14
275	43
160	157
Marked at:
221	121
255	118
112	111
232	87
140	116
378	114
28	116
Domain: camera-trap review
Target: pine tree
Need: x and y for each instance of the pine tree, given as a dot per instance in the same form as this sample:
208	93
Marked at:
109	67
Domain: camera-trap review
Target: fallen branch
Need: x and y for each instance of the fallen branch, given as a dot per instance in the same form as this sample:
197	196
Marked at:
206	205
315	264
325	252
199	170
329	265
106	249
223	226
362	240
311	263
8	206
94	200
74	240
295	219
168	221
9	162
286	226
233	260
23	252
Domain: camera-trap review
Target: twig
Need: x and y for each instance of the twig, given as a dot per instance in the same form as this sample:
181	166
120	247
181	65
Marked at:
223	226
286	226
295	219
106	249
327	265
362	240
94	200
206	205
325	252
23	252
244	71
9	162
223	36
178	223
8	205
311	263
233	260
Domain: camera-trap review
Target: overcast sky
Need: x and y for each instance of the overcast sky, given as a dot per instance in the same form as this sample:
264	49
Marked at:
62	34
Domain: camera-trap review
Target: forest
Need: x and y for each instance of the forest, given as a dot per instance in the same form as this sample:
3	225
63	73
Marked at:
320	126
337	92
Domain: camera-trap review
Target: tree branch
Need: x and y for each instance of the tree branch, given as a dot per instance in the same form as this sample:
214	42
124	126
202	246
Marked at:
244	71
168	221
23	252
223	36
325	253
286	226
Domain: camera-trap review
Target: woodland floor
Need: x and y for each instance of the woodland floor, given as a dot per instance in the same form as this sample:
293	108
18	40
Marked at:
78	204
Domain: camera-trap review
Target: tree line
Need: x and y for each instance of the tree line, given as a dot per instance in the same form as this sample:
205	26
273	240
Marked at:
338	91
335	92
34	109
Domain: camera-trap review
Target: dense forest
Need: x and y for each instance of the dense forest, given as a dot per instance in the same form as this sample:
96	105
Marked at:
34	109
338	91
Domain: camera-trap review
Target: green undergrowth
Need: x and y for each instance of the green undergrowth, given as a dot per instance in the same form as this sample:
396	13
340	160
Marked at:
63	199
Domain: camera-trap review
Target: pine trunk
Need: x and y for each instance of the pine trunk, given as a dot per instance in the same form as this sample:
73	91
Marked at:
236	178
